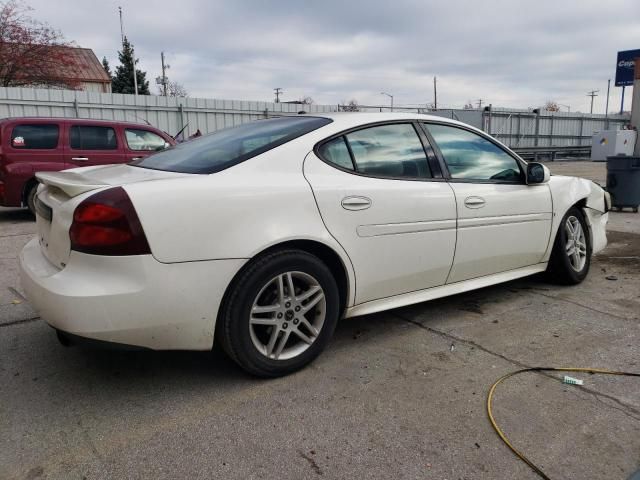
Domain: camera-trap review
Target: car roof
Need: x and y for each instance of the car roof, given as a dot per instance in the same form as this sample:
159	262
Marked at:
346	120
75	120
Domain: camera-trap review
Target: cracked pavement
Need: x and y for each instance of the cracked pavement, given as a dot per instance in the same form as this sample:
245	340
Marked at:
399	394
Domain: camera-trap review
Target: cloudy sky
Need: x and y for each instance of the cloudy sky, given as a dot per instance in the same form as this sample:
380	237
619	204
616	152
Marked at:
508	53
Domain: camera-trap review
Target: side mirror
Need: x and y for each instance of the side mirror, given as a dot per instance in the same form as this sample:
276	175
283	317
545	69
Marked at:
537	173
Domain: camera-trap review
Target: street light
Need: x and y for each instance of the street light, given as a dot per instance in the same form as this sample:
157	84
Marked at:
390	96
566	106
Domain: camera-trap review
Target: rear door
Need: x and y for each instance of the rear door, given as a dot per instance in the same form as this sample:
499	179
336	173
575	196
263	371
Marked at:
503	223
29	147
379	195
141	142
89	144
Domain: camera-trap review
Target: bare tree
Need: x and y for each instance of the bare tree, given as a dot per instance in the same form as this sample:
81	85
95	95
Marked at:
306	101
551	106
32	52
174	89
352	106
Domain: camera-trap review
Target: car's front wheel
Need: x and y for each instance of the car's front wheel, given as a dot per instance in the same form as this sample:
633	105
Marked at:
279	314
571	255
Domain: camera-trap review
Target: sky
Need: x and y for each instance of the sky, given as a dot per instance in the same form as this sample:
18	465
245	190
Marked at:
516	54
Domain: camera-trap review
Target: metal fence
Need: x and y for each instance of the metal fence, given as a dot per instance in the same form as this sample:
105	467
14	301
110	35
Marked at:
519	129
166	113
515	128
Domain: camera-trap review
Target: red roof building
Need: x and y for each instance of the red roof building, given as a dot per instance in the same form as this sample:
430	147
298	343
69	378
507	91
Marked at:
85	70
43	66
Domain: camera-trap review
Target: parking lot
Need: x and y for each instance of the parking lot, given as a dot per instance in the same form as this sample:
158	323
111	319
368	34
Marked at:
399	394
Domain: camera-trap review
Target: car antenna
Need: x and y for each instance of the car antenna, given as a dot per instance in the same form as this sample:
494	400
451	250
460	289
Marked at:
143	119
181	130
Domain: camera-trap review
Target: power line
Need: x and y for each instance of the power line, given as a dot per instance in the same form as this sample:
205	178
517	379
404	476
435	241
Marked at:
278	92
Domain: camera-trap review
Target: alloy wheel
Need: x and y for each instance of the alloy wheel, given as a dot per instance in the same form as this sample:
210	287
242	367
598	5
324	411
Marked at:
576	246
287	315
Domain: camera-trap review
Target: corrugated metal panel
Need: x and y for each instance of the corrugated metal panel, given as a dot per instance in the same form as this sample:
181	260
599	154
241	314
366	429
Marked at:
512	127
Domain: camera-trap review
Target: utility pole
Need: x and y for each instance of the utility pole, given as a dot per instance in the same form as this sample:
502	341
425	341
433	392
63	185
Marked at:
133	56
479	104
592	93
121	29
435	94
164	74
278	91
606	109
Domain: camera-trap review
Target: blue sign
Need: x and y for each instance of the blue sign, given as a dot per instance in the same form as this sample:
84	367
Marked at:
625	66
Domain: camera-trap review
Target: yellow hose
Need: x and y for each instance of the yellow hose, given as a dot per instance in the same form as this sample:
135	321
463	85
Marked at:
501	434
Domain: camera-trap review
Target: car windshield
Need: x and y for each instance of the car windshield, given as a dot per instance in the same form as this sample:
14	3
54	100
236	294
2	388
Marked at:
225	148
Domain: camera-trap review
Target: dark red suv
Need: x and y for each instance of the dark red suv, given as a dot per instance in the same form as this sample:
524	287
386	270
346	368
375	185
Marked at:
30	145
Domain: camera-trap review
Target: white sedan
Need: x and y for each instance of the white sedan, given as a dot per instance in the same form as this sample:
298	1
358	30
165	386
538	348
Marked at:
262	236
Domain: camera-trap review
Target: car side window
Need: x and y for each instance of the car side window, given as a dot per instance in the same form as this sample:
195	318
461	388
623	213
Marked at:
144	140
469	156
40	136
88	137
336	152
389	151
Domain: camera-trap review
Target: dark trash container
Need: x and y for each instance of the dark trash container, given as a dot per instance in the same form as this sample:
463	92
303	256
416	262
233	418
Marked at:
623	181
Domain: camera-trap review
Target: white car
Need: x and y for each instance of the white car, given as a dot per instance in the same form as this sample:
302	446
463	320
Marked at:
262	236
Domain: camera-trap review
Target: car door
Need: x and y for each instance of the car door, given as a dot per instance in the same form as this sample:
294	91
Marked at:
140	143
92	144
503	223
377	195
30	146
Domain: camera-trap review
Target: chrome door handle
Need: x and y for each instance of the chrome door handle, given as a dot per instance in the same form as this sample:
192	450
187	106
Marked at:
136	158
81	159
356	203
474	202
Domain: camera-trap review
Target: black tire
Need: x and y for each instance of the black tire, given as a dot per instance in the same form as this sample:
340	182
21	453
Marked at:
233	330
560	269
31	198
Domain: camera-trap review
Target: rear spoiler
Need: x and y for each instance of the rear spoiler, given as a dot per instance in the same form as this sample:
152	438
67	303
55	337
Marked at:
71	183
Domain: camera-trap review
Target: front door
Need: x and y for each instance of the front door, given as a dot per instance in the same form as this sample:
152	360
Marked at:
140	143
377	196
92	145
503	223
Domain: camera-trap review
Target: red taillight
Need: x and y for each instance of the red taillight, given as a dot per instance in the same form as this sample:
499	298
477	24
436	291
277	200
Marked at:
107	224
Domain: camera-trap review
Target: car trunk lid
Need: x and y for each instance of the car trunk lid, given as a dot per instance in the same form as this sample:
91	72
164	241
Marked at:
61	193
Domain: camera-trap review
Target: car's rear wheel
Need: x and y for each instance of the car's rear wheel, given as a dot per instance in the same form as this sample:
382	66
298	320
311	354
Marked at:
571	255
31	197
279	314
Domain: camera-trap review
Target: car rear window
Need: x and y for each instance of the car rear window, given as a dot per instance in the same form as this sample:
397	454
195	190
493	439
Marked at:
39	136
92	138
225	148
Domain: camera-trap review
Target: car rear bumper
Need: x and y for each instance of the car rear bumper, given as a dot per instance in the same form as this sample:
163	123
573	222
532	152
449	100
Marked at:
133	300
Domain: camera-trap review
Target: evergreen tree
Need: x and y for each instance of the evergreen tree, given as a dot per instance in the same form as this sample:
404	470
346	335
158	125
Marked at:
105	65
123	79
